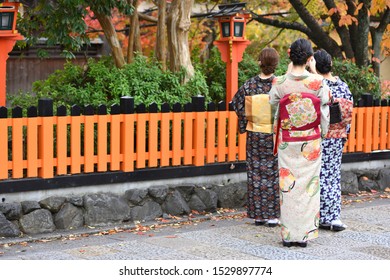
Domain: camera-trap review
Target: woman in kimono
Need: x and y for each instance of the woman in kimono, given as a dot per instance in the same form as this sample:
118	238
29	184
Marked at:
301	119
332	146
251	104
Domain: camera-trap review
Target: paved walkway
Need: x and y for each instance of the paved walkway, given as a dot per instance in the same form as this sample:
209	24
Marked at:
227	237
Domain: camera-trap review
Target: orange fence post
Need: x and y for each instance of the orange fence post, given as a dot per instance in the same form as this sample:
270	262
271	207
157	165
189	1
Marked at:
17	143
75	140
102	138
222	115
115	138
368	130
127	133
360	129
383	124
232	136
188	134
199	130
61	138
176	134
351	143
32	142
210	133
375	127
152	133
367	123
3	143
141	136
164	135
45	136
89	139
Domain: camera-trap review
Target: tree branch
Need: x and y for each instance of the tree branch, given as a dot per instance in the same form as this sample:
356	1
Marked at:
384	21
147	17
341	30
282	24
319	37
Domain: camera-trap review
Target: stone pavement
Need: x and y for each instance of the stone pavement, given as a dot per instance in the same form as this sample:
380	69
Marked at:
230	236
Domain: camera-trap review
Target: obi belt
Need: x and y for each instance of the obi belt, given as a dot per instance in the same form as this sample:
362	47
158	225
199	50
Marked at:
299	118
259	113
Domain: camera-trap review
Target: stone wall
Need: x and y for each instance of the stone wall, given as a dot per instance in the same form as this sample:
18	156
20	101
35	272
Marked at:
354	181
104	208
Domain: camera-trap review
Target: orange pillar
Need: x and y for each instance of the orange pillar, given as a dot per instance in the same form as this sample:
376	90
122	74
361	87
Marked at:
231	53
7	42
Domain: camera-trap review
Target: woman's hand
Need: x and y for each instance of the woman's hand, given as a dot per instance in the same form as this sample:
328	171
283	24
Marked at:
312	65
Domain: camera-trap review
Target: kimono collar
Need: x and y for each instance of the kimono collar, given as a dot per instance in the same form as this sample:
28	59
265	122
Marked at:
303	76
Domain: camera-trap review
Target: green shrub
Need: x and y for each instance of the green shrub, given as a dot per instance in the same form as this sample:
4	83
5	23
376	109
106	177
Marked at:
359	80
100	82
215	71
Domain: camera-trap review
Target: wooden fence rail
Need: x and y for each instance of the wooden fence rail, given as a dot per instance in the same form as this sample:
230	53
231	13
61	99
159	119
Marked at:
43	145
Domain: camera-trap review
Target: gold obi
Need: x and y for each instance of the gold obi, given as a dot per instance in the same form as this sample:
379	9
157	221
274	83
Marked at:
259	113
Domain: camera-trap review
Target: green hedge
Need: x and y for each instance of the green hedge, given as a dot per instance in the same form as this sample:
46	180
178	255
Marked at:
100	82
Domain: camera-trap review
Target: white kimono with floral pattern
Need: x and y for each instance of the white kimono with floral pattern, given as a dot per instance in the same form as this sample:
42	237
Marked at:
300	159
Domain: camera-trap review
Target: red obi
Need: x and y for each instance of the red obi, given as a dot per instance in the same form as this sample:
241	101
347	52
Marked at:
299	118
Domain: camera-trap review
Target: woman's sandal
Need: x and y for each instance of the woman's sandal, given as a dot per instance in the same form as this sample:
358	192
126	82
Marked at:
302	244
333	227
260	222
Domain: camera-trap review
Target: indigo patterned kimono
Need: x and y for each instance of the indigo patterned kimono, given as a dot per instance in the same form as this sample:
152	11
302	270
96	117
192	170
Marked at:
332	151
302	118
251	104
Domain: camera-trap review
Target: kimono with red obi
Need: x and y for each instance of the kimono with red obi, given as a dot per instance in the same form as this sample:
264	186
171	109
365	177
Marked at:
301	119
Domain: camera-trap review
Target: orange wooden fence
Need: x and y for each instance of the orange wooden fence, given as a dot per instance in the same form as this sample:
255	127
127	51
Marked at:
46	146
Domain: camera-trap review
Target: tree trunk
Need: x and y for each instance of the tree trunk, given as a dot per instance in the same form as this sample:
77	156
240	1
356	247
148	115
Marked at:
134	32
179	21
353	30
376	38
363	29
112	38
161	42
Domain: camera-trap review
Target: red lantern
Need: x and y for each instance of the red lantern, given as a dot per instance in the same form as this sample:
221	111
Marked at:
232	43
8	37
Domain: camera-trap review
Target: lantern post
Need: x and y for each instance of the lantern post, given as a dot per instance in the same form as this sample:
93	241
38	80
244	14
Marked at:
8	37
232	43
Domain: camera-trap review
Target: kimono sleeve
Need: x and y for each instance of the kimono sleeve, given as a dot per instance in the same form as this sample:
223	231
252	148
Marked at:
325	95
238	103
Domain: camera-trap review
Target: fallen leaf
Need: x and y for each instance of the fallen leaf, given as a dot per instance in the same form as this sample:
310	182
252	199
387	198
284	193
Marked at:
151	235
171	236
373	191
23	244
44	240
387	190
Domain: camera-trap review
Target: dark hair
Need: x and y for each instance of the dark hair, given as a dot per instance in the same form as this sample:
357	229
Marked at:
300	51
323	62
268	59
